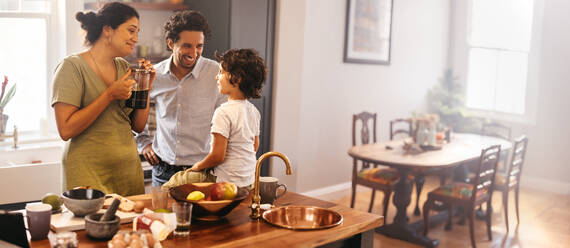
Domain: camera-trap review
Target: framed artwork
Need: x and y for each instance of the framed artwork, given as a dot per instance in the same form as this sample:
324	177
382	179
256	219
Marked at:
368	30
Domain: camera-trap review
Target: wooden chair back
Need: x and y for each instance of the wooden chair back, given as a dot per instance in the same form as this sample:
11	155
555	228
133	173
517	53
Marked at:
496	129
366	119
400	127
485	173
514	172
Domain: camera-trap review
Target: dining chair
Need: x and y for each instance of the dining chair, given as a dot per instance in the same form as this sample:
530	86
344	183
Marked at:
376	178
400	127
505	182
498	130
468	195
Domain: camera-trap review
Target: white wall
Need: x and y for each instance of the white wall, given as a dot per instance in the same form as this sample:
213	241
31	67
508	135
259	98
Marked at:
316	93
549	140
547	160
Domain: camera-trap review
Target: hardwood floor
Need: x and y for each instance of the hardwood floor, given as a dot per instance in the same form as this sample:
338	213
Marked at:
545	220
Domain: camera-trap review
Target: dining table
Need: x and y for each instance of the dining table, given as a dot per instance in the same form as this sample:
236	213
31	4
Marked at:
237	229
462	149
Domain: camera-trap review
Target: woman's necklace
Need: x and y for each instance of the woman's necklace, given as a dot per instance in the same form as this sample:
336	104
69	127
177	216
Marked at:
97	67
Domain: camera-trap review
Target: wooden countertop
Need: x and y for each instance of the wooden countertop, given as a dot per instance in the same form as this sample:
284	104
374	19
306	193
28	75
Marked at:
238	230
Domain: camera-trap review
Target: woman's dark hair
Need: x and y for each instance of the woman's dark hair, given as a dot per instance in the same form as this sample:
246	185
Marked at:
246	68
111	14
187	20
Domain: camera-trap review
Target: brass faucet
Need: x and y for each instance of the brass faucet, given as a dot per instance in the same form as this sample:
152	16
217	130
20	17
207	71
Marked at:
256	200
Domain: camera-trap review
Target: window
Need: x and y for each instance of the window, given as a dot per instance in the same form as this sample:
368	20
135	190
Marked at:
498	46
25	59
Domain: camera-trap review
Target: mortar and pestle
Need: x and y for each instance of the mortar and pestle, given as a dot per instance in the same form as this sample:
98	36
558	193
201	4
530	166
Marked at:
103	225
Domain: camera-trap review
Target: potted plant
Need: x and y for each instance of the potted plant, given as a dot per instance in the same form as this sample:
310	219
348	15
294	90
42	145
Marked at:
447	99
4	100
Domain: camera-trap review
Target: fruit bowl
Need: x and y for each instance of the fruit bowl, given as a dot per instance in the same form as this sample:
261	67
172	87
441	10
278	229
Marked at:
207	210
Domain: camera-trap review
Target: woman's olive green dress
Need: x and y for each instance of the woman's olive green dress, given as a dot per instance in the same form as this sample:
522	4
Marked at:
104	156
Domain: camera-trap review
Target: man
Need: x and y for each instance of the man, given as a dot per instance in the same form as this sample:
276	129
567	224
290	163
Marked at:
186	96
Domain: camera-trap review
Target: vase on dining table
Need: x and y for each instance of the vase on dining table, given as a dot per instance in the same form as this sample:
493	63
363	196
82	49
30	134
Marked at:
3	122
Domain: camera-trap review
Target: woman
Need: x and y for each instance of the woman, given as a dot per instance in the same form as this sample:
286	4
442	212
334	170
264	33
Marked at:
89	93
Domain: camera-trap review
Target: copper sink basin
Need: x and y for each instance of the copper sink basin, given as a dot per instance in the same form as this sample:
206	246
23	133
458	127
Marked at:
302	217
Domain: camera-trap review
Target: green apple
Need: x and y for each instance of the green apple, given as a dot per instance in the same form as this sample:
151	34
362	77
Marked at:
53	200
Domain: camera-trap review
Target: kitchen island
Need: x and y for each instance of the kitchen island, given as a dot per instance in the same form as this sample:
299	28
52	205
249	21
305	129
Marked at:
237	229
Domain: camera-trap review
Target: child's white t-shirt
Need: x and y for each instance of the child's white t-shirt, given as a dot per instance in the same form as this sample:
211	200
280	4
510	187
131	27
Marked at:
238	121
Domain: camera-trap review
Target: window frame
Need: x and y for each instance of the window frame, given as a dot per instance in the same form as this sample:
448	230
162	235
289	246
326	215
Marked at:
459	56
55	48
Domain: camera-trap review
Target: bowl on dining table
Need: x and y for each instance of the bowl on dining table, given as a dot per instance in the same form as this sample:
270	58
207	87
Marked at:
203	209
82	202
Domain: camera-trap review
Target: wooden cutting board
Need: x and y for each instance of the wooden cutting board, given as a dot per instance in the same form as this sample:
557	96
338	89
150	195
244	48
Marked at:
66	221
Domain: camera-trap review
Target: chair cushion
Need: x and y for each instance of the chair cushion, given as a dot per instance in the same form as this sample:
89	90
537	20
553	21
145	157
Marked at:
381	175
457	190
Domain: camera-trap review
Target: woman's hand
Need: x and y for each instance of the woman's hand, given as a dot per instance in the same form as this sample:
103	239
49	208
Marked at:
122	88
143	63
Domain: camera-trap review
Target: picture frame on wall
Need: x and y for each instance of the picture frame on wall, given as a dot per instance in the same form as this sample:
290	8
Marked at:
368	31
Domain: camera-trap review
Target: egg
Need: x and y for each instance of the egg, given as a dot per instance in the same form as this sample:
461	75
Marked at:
119	243
139	206
135	236
118	236
136	243
150	239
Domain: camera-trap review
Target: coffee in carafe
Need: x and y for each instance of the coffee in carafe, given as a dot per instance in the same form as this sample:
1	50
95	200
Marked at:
139	96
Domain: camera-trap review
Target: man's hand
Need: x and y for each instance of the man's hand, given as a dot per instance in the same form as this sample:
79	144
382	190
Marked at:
149	154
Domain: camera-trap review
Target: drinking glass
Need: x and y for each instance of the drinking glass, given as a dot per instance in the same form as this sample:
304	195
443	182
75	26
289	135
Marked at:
183	212
159	198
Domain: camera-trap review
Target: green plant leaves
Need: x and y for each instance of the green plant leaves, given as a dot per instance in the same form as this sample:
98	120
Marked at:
11	92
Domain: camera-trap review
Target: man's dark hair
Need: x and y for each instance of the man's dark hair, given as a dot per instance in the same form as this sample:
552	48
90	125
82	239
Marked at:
111	14
187	20
246	69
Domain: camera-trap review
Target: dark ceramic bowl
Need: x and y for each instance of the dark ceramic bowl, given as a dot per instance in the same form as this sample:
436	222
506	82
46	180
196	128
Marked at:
82	202
101	229
207	210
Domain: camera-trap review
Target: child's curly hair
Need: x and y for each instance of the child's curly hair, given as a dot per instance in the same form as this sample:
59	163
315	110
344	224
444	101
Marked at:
247	66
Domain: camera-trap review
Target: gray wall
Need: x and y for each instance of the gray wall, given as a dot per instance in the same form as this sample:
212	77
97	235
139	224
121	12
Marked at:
218	14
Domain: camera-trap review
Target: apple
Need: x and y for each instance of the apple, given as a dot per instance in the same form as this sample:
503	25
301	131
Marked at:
223	191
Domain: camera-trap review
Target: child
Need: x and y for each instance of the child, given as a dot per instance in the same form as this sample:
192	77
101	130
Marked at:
235	125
